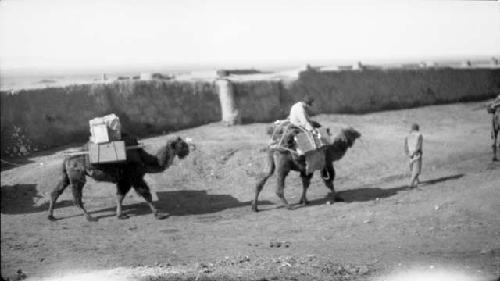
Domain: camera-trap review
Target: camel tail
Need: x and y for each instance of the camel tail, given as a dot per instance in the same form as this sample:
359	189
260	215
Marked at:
64	169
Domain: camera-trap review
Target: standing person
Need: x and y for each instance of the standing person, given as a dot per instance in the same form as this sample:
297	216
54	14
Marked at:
413	149
494	109
299	114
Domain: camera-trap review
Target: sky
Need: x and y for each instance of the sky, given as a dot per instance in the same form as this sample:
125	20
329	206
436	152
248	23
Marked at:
71	34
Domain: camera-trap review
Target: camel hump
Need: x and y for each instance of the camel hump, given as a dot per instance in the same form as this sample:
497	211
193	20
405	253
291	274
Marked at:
129	139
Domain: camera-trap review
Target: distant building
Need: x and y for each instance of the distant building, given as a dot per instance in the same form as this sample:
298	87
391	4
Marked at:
344	67
410	66
428	64
221	73
358	66
466	63
494	61
161	76
336	68
146	76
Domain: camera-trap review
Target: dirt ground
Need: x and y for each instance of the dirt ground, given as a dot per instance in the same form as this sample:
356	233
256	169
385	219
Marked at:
451	221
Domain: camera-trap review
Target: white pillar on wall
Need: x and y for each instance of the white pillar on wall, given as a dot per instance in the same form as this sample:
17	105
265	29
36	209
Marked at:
230	113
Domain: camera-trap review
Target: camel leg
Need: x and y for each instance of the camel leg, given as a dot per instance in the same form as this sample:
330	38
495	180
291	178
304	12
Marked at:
494	146
280	189
58	190
142	188
77	187
282	172
328	176
262	181
494	136
122	188
258	188
306	181
119	201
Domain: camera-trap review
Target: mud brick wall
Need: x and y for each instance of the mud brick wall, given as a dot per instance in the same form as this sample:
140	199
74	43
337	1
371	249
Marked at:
375	90
260	101
41	118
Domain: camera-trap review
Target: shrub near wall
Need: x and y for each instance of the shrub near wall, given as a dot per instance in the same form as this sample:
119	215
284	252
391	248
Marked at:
43	118
374	90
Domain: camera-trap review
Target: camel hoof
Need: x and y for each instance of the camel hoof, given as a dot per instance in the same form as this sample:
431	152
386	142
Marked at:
304	203
91	219
339	199
51	218
122	217
285	206
159	216
255	209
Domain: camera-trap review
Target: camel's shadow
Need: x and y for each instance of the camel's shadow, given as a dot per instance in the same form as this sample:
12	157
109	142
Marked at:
362	194
14	163
21	199
182	203
365	194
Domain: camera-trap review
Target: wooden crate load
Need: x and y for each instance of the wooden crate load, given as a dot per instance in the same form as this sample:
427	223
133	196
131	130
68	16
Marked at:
307	142
105	144
324	136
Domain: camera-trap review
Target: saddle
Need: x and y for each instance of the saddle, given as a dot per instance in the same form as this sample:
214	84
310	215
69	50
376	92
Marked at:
302	144
282	135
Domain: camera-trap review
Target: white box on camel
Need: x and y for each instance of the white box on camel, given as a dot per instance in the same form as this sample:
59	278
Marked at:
105	144
105	129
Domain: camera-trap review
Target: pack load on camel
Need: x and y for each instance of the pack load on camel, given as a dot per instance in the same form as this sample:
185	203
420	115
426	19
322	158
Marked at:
106	144
301	142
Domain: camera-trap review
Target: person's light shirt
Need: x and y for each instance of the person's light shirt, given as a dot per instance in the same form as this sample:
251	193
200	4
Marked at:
413	143
299	116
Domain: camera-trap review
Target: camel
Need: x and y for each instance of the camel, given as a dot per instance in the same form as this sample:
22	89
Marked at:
286	160
125	175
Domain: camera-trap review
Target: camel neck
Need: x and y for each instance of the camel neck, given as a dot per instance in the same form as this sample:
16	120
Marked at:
166	157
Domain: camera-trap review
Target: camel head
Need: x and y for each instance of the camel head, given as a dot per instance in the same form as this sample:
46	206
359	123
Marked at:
179	146
350	135
174	147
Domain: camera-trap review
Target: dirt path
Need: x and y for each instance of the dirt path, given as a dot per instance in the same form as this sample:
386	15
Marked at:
452	220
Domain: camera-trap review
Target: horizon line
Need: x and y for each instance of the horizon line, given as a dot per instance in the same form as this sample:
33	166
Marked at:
255	64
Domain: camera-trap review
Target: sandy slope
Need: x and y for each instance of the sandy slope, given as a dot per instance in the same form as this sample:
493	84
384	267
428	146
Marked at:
452	220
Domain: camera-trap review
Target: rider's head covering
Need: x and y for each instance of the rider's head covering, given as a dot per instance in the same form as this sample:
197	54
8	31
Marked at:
308	99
